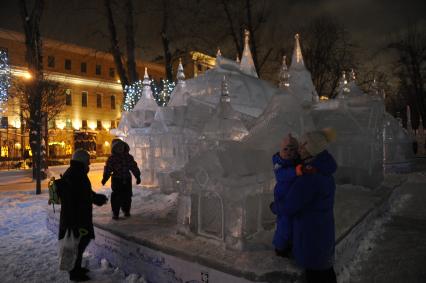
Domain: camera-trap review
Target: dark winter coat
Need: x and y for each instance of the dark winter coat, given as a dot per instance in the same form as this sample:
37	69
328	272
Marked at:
77	198
310	202
120	164
285	174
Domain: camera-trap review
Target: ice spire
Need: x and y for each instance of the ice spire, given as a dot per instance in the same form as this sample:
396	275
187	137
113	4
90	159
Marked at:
180	73
247	64
147	100
224	97
297	60
146	90
284	75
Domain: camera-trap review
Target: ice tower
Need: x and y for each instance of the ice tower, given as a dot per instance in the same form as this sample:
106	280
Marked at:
247	64
300	78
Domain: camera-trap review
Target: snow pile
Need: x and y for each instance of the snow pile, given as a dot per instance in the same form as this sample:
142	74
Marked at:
29	249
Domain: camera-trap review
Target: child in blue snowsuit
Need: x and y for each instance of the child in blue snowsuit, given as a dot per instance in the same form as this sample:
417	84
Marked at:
284	163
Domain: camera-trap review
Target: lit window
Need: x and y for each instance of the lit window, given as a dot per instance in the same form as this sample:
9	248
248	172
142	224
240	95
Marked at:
83	67
111	72
67	64
51	61
112	102
84	99
99	100
68	97
98	69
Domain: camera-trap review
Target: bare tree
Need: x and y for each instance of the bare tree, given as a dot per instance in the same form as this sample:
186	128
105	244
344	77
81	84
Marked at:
250	15
327	52
130	75
52	100
31	23
410	67
165	39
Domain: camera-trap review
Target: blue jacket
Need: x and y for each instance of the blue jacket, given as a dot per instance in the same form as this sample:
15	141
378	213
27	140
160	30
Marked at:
285	174
310	203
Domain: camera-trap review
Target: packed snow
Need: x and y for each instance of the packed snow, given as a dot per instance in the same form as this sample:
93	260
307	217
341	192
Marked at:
29	249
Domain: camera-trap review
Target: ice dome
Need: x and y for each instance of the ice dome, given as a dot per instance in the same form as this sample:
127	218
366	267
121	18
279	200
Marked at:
248	94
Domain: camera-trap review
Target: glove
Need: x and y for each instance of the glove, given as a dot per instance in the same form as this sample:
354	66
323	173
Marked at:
299	170
100	199
138	180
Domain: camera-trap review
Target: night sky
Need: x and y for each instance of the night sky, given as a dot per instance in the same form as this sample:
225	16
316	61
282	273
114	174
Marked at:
82	22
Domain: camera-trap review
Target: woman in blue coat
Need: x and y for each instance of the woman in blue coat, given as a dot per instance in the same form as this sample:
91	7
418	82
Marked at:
310	203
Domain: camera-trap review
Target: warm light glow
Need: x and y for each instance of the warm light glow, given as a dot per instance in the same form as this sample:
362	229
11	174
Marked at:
68	79
106	143
76	124
92	125
4	151
17	123
323	98
27	76
118	81
60	124
106	125
17	145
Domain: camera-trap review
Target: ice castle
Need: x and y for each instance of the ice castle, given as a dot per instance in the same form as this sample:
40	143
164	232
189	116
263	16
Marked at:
213	142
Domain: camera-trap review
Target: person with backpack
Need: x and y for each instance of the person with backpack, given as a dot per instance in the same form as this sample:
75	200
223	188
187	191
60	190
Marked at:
118	167
76	197
310	204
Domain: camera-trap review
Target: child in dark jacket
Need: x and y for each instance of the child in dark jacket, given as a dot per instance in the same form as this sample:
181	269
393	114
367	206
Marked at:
119	165
285	171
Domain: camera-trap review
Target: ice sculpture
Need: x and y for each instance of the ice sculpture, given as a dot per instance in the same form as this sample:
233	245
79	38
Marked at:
213	143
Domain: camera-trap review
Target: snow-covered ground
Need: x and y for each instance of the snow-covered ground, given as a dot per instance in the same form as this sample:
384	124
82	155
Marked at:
28	250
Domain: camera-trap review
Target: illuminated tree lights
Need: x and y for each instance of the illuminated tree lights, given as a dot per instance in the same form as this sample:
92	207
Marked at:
161	92
4	78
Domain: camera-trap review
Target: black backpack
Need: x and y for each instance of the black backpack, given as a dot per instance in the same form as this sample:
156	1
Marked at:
56	187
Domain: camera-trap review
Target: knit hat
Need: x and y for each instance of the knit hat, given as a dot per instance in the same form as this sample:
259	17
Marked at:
82	156
317	141
290	141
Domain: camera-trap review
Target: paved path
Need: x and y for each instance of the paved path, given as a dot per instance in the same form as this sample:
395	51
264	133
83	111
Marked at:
399	253
20	180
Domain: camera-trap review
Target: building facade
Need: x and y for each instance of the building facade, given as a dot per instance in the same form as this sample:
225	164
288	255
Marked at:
93	97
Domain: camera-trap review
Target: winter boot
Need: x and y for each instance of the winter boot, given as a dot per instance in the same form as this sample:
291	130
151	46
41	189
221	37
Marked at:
77	276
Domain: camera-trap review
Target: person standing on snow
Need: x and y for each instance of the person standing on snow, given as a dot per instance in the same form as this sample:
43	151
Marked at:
119	165
310	203
284	162
76	208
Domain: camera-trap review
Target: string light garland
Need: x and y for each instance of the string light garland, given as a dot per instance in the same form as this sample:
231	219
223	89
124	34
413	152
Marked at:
161	92
4	79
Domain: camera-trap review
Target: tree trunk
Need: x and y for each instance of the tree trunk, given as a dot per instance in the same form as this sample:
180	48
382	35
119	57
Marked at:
130	43
115	48
166	42
34	59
